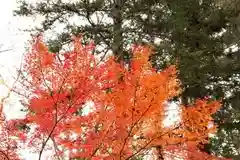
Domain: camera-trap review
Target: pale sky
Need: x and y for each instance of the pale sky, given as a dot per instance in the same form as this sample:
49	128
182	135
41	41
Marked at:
10	38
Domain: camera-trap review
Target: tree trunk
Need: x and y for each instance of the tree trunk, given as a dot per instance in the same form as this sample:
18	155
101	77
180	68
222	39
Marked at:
117	45
159	153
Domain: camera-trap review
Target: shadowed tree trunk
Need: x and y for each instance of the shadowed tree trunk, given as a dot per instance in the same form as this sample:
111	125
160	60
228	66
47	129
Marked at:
117	29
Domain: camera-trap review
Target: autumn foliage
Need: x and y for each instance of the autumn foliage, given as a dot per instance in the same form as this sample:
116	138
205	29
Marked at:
107	110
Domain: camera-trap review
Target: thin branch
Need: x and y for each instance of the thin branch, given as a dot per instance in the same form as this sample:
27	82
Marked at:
4	154
149	142
132	125
55	147
5	50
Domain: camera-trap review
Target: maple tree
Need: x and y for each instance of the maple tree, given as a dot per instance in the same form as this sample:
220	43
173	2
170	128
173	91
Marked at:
106	110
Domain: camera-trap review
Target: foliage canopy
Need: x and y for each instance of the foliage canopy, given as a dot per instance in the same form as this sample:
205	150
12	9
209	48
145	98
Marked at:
105	110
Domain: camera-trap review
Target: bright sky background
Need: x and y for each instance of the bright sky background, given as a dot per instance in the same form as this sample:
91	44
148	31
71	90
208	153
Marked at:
13	39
